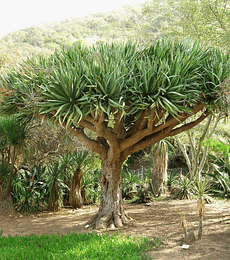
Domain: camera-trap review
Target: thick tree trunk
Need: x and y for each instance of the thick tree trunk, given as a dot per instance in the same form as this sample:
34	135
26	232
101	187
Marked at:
6	203
75	198
111	213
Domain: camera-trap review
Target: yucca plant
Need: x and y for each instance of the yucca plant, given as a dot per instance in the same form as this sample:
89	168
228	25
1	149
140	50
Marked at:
54	185
80	159
160	166
183	187
220	166
220	181
119	99
13	131
201	188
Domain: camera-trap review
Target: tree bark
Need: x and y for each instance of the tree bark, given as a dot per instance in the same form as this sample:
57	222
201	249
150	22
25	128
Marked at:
75	198
55	201
111	213
159	172
6	202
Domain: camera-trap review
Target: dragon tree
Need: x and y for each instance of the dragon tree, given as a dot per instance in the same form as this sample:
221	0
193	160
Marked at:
129	96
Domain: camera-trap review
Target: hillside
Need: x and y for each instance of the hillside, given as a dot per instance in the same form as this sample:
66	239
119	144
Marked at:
118	25
143	23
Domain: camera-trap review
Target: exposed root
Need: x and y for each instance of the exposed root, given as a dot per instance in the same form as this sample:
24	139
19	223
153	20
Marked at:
108	220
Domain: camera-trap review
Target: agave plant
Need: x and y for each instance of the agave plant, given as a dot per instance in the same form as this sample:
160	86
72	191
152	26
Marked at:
183	187
130	182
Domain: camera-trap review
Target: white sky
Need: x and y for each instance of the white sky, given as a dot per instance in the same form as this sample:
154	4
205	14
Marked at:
19	14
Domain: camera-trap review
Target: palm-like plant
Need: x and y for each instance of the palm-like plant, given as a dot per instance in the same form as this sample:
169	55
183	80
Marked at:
129	96
79	160
160	166
54	185
13	130
201	188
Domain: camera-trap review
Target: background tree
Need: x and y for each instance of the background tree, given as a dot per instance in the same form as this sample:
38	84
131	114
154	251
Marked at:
13	132
194	150
160	167
206	20
78	160
129	97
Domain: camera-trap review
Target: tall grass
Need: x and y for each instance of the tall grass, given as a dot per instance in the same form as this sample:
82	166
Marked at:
76	246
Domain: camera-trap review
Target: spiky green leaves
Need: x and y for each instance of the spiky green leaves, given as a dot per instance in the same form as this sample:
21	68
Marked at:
168	76
13	129
173	76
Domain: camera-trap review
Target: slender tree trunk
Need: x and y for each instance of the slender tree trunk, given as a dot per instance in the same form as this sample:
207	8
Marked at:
201	212
111	213
75	198
200	229
159	172
55	201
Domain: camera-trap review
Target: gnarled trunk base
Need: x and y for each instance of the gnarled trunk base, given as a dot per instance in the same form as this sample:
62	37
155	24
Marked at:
75	198
111	213
111	217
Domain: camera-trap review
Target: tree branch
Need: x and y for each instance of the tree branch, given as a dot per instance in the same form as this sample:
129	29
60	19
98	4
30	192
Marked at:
119	129
90	143
160	132
170	122
139	123
189	125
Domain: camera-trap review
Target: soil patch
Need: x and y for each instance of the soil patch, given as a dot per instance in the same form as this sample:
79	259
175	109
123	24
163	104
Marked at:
159	219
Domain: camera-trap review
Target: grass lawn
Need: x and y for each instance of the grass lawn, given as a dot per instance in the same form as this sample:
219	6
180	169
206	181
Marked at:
76	246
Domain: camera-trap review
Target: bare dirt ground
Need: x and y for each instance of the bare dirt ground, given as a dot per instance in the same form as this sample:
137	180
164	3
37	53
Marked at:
160	219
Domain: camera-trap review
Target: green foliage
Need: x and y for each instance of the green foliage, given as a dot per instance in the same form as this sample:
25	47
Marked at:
91	190
76	246
54	185
218	146
72	83
183	187
205	20
220	182
202	187
13	129
27	190
136	185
